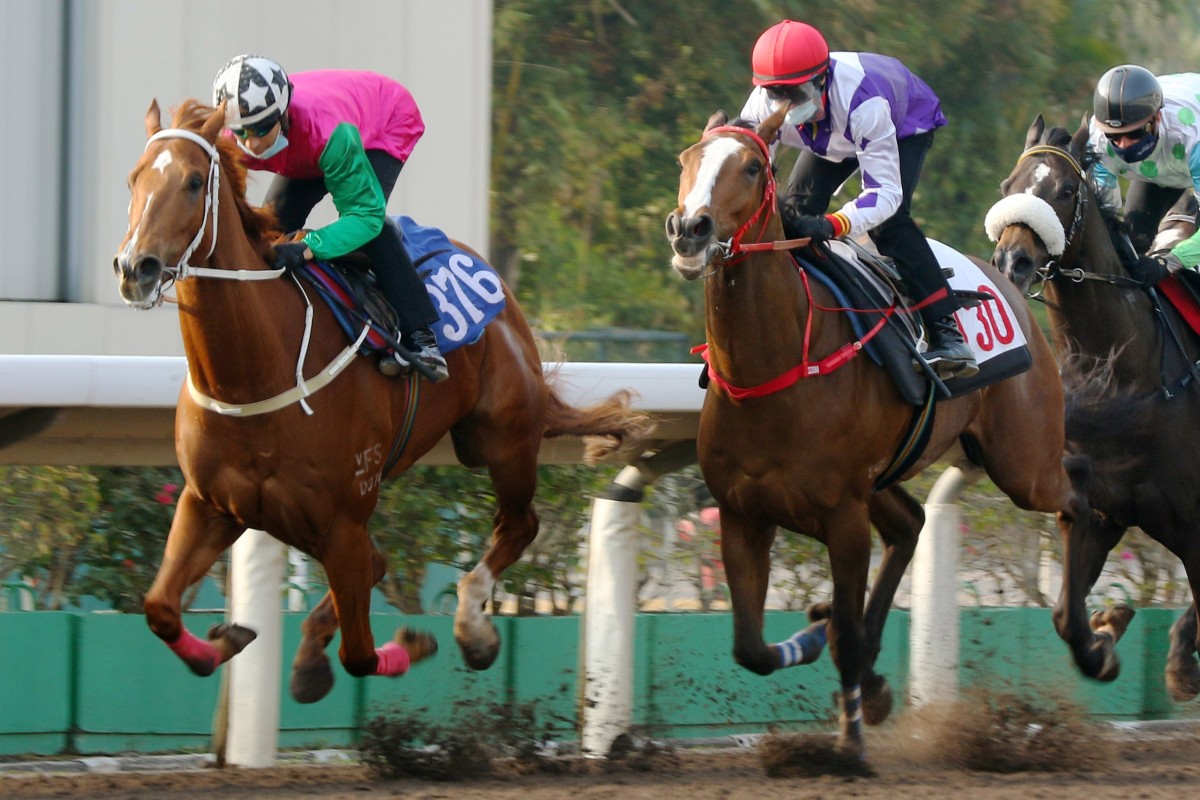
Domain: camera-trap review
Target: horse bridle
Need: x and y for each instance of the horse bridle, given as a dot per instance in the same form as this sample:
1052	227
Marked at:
1053	268
183	269
734	245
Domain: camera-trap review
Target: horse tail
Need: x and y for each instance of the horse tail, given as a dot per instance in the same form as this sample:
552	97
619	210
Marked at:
605	426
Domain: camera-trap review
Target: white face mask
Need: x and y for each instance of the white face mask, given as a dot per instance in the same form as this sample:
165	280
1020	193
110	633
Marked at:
802	113
279	143
804	107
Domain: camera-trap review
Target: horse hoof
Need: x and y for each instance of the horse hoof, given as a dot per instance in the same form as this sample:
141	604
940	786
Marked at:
311	681
479	658
877	699
1183	679
480	644
234	637
1113	621
420	645
820	611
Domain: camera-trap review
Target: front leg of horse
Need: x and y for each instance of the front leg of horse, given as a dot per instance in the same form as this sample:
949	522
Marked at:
899	518
199	534
354	567
746	551
312	673
1183	673
1092	640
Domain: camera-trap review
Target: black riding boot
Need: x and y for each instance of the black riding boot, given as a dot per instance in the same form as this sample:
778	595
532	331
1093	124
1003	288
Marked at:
948	352
405	291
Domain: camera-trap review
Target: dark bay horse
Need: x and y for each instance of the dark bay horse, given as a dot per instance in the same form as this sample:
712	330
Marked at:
806	457
312	479
1050	229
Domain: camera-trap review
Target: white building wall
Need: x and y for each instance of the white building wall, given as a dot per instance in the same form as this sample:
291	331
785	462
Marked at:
31	46
129	52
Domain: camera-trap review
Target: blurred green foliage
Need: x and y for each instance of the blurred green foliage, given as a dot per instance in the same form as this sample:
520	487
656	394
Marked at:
594	99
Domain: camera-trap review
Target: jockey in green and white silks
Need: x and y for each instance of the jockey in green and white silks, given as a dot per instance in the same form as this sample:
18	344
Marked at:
1159	154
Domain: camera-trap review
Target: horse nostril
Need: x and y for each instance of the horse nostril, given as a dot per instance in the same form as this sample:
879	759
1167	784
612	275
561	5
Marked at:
673	225
701	227
146	266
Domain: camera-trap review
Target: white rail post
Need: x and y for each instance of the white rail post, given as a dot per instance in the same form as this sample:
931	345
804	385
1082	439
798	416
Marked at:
609	618
256	579
610	604
933	633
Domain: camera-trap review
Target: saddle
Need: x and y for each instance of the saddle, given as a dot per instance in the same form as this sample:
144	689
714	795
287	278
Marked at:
867	284
466	291
1182	290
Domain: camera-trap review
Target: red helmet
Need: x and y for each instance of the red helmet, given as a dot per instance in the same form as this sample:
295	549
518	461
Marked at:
790	52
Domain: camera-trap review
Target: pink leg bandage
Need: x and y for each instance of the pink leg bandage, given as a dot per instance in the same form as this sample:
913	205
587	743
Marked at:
393	659
203	657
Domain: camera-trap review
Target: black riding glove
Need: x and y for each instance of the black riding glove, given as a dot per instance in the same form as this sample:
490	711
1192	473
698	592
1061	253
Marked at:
819	229
290	255
1151	269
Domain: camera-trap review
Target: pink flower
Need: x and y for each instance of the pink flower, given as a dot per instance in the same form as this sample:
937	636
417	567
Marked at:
1126	555
166	495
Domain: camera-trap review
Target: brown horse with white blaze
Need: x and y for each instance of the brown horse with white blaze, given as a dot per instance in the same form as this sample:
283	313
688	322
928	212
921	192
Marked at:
805	457
281	428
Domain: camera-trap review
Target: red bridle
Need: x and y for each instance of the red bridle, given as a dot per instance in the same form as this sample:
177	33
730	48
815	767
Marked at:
806	368
735	247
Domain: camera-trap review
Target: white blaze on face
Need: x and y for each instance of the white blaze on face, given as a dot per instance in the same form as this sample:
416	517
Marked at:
711	162
163	161
133	237
1040	173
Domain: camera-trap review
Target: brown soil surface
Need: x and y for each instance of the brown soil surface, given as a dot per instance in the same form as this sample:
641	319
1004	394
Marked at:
948	760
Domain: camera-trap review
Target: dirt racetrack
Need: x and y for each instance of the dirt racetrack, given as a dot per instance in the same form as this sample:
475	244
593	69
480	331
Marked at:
955	761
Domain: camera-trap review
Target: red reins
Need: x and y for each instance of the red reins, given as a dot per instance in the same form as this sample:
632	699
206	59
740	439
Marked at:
806	368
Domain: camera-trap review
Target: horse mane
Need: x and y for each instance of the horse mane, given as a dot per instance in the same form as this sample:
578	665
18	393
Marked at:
261	225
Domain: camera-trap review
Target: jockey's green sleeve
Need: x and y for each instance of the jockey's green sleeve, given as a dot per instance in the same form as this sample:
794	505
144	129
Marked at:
356	194
1188	251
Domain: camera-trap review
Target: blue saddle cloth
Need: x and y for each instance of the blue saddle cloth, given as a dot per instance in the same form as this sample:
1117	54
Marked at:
466	291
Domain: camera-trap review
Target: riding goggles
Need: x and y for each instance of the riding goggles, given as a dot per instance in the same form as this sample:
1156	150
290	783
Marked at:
796	93
1134	135
257	131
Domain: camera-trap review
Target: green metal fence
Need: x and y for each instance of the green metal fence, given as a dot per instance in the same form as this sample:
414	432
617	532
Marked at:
102	683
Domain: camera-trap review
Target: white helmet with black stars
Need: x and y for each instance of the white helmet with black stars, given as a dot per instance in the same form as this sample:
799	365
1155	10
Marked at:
257	89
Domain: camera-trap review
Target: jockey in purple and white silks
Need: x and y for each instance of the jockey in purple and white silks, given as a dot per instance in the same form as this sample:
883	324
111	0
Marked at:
1147	130
858	111
346	134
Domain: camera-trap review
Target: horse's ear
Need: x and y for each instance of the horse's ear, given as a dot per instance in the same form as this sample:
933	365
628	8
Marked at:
1034	135
214	123
153	119
1079	140
767	129
718	118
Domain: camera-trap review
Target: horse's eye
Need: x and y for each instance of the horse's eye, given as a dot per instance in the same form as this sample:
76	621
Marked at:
1069	190
753	168
195	183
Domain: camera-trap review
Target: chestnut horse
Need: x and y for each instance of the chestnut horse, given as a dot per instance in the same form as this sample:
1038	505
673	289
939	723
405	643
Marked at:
1050	229
308	469
806	457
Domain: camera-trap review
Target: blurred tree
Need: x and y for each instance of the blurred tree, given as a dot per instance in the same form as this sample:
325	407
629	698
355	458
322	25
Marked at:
86	532
443	515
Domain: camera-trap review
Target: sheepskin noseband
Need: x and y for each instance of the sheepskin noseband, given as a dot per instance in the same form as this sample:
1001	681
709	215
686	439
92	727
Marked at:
1031	210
